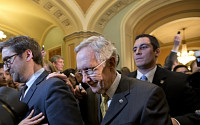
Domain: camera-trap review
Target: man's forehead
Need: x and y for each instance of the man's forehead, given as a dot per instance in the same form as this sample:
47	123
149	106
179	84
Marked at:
84	57
86	52
7	51
142	40
60	59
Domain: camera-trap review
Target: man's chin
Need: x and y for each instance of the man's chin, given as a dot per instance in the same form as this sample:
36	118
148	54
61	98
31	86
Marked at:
96	90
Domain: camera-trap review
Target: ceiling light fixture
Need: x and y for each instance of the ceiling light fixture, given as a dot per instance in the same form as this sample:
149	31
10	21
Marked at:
2	35
184	56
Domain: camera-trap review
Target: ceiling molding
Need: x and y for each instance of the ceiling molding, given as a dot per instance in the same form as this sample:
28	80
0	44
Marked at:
105	13
80	35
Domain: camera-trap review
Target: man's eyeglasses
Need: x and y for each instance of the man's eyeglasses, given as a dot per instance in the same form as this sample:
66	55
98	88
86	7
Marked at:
9	60
90	71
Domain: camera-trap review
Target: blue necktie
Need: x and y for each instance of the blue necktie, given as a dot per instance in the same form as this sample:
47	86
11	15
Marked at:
144	78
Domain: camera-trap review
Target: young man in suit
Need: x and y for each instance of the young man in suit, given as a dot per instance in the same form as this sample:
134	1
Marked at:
182	99
22	58
129	101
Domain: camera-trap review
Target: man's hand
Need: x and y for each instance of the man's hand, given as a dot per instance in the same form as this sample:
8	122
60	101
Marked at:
29	120
79	94
177	42
63	77
174	122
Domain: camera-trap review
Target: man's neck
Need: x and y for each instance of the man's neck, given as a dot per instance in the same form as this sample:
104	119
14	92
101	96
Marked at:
37	67
145	70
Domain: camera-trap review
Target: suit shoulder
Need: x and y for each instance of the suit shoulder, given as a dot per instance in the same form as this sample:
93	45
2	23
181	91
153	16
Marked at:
54	82
133	82
132	74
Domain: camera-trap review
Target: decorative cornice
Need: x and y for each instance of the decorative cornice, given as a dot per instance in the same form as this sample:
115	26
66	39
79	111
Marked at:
113	10
55	11
79	35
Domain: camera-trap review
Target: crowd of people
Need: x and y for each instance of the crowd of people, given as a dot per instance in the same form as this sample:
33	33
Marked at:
96	92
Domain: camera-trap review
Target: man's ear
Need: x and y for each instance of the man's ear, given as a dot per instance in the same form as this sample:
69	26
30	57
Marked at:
112	62
157	52
29	55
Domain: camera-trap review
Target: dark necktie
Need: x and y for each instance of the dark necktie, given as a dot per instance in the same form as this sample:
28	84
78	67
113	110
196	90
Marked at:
144	78
23	91
104	104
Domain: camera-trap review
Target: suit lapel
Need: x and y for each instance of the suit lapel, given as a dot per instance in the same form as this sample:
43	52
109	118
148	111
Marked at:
98	103
159	77
118	102
34	87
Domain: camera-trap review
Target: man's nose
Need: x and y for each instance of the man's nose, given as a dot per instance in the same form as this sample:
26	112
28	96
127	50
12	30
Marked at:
138	51
4	76
85	79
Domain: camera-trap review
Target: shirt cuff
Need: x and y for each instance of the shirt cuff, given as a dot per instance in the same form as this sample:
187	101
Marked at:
177	121
174	51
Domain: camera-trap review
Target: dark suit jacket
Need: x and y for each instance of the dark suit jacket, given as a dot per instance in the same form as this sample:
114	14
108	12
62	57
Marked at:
169	61
181	98
55	100
134	102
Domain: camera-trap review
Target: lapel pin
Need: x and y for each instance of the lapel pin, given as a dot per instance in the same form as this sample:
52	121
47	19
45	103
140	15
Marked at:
162	81
121	101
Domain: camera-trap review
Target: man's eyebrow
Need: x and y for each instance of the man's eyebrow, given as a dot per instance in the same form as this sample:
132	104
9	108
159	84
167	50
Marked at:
141	45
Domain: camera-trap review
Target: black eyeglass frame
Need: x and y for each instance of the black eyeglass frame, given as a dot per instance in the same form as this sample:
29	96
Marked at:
8	61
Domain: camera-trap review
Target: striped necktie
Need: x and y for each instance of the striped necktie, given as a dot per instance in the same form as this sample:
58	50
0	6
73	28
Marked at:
23	91
104	104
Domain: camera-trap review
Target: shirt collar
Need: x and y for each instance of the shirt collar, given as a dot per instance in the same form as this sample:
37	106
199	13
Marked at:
149	75
111	91
34	77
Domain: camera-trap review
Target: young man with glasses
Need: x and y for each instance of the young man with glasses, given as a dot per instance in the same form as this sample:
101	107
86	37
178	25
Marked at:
130	101
22	58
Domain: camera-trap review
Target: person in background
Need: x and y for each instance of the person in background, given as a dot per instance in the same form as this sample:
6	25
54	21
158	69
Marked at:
58	62
113	98
182	69
171	60
183	100
6	79
22	58
194	67
48	66
125	70
70	73
4	76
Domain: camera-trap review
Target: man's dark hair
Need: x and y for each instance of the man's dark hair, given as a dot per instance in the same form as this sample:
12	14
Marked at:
1	65
68	71
179	66
153	40
21	43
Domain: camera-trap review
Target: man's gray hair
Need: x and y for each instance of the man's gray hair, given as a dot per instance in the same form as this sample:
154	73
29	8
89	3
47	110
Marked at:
102	47
55	58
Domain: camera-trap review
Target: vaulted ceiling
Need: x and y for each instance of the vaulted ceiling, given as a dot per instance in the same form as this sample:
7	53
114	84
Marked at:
36	17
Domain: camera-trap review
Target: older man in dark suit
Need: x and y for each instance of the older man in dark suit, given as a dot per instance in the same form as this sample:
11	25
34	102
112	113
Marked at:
22	58
128	100
182	99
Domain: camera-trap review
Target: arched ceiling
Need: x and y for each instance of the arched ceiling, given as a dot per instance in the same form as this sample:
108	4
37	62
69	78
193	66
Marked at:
166	19
36	17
